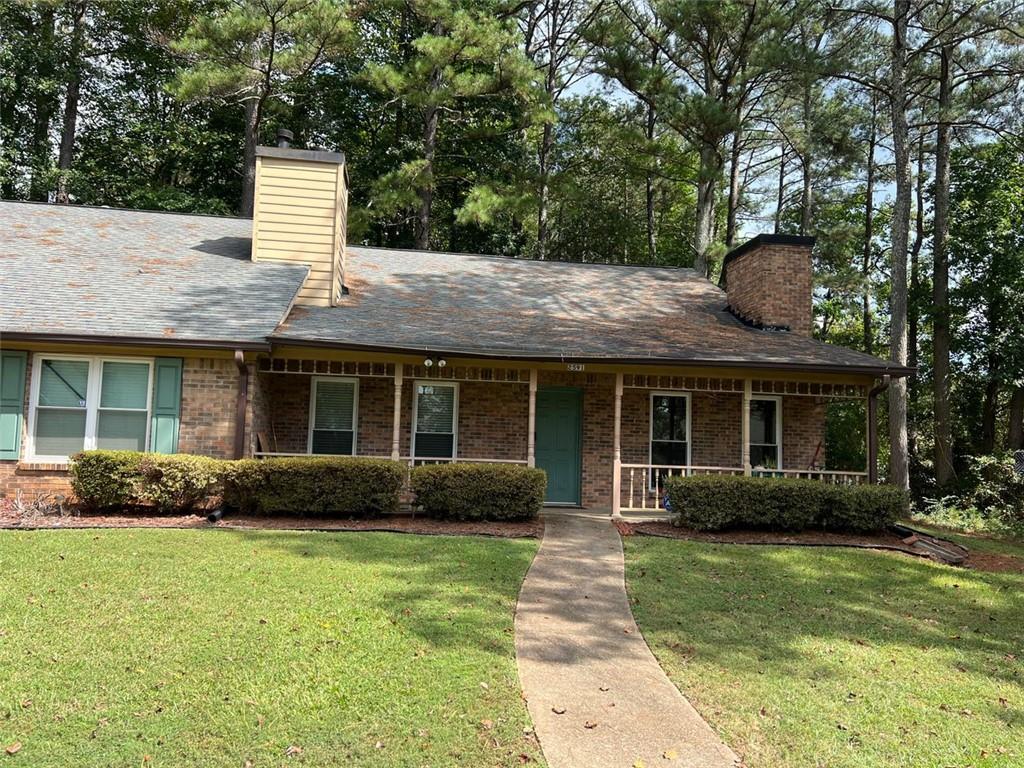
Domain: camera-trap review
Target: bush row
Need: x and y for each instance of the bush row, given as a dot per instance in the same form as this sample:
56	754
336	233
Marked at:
320	486
714	503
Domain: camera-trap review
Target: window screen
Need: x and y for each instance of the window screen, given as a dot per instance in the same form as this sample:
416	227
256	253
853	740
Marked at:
333	428
764	433
435	421
61	411
123	411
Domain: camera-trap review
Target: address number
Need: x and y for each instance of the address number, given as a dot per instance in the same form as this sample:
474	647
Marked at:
575	366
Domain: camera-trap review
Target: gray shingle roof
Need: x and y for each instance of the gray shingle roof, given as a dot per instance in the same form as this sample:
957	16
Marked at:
103	272
71	270
487	305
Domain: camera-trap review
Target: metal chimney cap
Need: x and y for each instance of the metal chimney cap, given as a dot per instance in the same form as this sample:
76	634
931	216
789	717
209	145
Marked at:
284	137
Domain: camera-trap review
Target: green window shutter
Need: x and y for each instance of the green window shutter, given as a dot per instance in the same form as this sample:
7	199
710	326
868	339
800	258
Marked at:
166	405
12	402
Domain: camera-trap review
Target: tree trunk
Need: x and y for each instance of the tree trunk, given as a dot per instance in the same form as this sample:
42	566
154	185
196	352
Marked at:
989	409
69	126
913	303
782	188
710	167
547	141
806	160
734	188
899	469
253	117
426	186
1015	429
869	230
652	245
44	106
941	341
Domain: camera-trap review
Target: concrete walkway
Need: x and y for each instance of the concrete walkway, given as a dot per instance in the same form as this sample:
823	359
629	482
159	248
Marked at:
597	695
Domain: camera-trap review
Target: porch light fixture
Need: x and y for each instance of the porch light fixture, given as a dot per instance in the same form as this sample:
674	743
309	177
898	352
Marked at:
442	363
428	362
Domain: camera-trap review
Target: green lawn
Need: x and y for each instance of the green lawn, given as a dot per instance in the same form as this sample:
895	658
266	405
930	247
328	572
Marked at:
830	657
213	648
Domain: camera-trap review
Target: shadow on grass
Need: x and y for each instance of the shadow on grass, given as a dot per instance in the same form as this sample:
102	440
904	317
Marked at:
442	589
747	607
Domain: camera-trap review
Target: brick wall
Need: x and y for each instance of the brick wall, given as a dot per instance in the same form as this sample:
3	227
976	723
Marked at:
771	285
803	433
209	394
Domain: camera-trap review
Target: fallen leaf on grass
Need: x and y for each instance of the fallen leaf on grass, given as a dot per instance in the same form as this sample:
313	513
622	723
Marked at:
670	754
292	751
590	725
488	724
13	749
558	710
485	686
379	745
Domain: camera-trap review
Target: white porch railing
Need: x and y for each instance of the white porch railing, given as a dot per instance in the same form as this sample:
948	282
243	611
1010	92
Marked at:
643	485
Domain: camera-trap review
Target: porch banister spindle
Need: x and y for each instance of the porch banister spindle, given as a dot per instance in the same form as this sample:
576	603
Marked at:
617	450
531	425
396	425
745	428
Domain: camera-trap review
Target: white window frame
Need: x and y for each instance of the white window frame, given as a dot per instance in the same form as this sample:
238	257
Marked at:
92	402
312	413
650	428
778	430
454	385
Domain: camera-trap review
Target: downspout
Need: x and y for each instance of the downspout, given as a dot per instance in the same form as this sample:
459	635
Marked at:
873	429
241	404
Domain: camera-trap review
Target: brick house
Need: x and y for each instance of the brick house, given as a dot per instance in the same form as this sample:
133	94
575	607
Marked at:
234	337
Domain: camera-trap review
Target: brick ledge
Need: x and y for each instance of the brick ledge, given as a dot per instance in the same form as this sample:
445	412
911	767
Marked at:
38	466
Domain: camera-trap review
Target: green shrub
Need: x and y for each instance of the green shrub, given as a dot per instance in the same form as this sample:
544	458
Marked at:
105	479
714	503
459	491
179	482
313	486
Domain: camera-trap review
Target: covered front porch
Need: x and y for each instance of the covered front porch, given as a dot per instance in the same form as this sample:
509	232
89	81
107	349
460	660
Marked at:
607	435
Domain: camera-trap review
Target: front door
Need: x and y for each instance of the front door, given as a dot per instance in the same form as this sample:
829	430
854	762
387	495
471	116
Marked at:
559	419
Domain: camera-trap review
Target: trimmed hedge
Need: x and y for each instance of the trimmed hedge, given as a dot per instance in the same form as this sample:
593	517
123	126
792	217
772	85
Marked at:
180	483
105	479
314	486
714	503
466	491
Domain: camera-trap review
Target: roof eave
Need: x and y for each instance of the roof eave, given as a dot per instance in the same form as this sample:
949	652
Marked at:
134	341
882	369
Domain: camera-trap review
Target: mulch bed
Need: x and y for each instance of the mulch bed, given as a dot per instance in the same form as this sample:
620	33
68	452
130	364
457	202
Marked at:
390	523
980	561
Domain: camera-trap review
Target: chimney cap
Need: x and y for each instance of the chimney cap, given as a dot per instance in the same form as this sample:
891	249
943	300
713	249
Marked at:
767	239
284	138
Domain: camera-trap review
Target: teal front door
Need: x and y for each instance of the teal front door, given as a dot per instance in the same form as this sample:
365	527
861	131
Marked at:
559	436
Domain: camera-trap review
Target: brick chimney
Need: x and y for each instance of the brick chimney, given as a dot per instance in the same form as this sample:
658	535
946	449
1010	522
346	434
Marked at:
300	213
767	282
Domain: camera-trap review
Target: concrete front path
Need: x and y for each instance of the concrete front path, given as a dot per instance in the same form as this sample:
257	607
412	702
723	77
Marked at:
597	695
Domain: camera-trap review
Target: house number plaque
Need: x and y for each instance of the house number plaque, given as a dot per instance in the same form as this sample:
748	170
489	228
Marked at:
575	366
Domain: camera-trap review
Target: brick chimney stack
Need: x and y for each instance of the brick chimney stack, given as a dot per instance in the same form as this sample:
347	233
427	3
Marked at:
767	282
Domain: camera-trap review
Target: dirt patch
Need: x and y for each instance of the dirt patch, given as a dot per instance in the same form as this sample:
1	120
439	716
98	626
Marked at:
979	561
392	523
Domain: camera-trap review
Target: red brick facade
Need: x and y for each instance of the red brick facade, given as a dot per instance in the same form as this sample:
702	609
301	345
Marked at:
493	420
770	284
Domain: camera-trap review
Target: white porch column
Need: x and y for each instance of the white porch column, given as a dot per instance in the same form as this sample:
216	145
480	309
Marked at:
617	450
745	428
531	424
396	426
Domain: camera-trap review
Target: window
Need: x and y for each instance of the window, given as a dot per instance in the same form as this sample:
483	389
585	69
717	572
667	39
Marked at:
84	403
333	413
670	432
435	414
766	432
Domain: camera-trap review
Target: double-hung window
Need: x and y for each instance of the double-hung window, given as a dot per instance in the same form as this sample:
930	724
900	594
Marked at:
435	420
333	414
81	403
670	431
766	432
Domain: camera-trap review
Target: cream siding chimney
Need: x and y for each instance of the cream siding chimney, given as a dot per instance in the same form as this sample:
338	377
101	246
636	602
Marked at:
300	214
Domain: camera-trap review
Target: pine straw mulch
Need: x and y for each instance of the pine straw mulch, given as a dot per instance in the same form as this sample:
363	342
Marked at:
399	523
980	561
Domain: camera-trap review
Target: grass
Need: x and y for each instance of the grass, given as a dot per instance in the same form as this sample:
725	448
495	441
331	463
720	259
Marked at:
214	648
833	657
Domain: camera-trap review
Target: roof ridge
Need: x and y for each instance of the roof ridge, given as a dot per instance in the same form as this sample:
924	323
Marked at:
112	209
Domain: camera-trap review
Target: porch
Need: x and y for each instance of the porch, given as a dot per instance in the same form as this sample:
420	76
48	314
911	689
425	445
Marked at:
607	438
